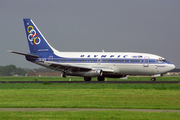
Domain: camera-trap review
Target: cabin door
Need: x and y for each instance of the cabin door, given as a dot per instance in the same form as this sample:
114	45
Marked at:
50	58
146	61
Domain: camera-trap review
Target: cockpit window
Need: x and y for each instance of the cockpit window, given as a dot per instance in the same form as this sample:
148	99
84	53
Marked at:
160	60
164	60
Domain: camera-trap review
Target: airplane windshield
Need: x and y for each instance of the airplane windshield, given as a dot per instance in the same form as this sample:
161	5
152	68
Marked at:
164	60
160	60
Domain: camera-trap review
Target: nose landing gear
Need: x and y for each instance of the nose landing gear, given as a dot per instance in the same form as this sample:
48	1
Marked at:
153	79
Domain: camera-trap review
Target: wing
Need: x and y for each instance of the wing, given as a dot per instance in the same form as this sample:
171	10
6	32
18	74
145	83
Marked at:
72	67
65	66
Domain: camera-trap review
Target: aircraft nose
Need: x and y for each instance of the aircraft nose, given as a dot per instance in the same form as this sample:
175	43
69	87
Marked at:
171	67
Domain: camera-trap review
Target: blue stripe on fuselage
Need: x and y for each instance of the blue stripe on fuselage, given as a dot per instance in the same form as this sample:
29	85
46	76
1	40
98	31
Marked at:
95	60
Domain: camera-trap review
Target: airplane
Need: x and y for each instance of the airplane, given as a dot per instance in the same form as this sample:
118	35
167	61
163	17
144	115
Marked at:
91	64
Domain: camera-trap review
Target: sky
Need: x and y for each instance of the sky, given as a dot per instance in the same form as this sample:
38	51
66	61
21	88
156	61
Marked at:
147	26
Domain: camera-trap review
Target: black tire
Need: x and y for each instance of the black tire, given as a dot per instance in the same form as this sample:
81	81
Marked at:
87	78
153	79
64	75
100	78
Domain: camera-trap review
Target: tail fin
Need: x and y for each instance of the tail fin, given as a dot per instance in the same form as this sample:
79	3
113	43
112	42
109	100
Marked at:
37	42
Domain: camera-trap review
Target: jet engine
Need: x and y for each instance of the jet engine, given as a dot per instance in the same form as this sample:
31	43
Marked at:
90	73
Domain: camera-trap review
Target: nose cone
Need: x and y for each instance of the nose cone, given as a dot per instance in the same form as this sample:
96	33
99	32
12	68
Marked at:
171	67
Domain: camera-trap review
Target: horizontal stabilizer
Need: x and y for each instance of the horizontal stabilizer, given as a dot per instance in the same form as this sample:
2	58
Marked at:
20	53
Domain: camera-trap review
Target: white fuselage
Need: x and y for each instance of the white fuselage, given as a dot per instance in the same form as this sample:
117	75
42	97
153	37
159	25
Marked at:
120	63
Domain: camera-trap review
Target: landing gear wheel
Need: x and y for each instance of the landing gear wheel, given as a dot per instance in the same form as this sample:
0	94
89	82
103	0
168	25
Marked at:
153	79
100	78
64	75
87	78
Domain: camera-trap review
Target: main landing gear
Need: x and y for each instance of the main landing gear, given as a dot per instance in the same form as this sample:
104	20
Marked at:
87	78
100	78
64	75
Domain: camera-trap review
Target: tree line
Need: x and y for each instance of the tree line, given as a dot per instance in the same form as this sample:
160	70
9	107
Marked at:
10	70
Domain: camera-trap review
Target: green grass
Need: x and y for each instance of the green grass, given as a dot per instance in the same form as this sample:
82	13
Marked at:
88	86
90	115
54	95
143	96
173	78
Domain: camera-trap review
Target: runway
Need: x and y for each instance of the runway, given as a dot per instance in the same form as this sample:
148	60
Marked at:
95	82
85	109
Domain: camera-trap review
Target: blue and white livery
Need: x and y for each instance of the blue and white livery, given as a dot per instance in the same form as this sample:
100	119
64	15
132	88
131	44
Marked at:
91	64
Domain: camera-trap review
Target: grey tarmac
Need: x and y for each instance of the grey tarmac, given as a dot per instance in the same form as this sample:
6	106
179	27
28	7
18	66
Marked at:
95	82
85	109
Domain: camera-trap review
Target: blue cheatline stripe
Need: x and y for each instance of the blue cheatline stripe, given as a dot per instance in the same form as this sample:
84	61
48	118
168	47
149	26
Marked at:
95	60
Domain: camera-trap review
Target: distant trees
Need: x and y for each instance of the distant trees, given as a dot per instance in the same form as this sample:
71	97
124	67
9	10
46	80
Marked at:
9	70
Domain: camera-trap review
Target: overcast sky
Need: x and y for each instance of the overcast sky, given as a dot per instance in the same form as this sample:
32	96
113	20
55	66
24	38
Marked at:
148	26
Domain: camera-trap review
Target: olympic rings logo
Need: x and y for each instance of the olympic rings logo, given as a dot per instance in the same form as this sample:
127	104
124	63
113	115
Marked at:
33	36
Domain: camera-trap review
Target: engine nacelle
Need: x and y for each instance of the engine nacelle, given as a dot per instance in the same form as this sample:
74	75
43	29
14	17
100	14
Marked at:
93	73
90	73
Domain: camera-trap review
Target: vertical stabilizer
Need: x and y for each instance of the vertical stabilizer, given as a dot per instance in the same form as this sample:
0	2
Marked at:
37	42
